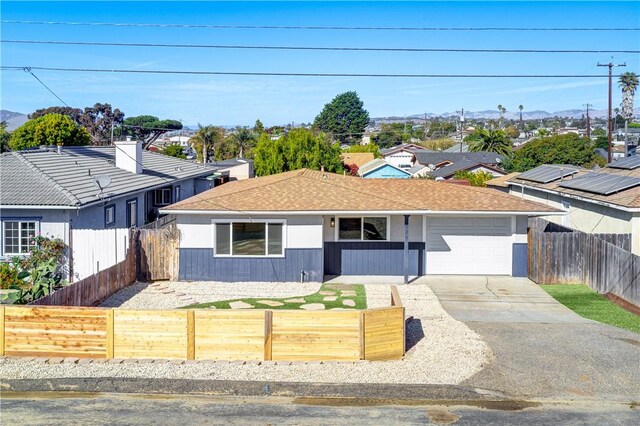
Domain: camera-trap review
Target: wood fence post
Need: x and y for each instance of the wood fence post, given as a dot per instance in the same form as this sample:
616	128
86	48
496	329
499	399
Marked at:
268	326
110	349
362	335
191	334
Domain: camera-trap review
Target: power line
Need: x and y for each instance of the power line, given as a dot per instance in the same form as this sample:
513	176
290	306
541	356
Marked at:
301	74
312	48
303	27
28	70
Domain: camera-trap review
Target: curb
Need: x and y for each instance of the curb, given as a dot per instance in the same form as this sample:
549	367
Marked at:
250	388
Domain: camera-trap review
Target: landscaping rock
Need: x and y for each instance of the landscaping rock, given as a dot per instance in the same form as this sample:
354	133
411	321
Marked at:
239	304
349	302
327	293
270	302
298	300
313	307
348	293
330	298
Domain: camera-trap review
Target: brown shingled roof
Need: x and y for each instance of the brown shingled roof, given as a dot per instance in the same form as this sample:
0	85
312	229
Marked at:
357	158
501	181
310	190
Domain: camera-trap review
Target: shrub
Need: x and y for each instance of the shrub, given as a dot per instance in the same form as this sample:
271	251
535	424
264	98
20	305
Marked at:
9	276
478	178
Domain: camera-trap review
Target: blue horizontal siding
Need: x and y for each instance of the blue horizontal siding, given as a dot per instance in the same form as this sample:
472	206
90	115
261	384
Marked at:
519	260
198	264
387	171
372	258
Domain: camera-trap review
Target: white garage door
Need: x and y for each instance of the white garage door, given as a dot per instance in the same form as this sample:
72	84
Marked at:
469	246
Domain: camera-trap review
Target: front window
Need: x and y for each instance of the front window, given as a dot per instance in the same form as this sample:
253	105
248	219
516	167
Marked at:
372	228
162	197
18	237
249	239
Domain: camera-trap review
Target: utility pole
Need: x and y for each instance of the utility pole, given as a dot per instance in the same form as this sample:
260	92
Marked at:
610	65
588	122
461	119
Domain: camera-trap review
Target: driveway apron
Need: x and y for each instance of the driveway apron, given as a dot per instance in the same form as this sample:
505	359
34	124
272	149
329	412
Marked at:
541	349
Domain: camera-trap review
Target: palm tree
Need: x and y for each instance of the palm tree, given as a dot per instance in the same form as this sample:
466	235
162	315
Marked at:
628	82
492	141
244	138
501	110
521	107
205	141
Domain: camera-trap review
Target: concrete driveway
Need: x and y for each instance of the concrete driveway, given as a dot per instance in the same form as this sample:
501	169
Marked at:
542	350
499	299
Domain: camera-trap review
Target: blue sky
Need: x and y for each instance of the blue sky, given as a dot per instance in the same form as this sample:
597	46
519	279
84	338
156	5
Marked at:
227	100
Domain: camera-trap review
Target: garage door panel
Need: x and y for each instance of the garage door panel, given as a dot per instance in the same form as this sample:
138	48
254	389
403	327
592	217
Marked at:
473	246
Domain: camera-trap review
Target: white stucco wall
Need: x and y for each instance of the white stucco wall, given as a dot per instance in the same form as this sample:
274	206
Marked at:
587	217
399	158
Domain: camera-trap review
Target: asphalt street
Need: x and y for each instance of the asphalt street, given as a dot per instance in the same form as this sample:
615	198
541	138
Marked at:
118	409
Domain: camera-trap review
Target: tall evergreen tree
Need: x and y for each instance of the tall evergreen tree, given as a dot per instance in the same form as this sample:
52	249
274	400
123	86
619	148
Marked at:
344	118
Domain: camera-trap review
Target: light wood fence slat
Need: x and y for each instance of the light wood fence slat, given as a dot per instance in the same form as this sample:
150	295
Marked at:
577	257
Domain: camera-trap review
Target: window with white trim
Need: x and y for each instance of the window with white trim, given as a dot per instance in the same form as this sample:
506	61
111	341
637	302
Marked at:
162	196
248	239
109	215
368	228
17	236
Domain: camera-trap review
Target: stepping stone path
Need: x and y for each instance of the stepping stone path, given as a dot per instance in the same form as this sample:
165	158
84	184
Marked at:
327	293
240	305
313	307
348	293
349	302
269	302
330	298
298	300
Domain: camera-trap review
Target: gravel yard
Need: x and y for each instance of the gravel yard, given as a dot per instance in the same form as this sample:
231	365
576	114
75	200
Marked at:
440	350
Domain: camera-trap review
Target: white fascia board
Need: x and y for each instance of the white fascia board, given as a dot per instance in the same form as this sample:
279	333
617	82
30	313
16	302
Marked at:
577	197
40	207
361	212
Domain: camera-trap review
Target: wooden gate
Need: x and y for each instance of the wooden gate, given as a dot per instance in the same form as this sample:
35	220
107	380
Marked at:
159	254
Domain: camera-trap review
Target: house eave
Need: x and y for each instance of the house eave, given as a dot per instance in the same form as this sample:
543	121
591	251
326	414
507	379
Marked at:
577	197
360	212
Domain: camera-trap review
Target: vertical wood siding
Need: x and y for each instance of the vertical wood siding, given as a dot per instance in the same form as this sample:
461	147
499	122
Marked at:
372	258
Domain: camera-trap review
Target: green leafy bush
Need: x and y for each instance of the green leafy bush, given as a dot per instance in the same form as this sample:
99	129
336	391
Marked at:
9	276
478	178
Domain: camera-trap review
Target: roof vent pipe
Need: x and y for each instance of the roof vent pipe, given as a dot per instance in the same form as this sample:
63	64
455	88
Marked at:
59	149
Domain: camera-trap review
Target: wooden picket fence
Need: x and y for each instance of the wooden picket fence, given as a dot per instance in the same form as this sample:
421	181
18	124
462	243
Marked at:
281	335
97	287
578	257
158	253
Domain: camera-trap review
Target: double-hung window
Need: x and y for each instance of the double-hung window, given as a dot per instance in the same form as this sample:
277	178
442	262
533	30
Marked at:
132	213
249	238
369	228
17	236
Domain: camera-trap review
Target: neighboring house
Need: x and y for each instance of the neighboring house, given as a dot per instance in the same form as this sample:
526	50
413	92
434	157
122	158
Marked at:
458	147
304	224
447	172
379	168
51	190
235	169
358	159
436	160
606	200
401	155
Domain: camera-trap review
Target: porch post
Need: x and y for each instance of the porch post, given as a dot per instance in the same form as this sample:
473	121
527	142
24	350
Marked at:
406	249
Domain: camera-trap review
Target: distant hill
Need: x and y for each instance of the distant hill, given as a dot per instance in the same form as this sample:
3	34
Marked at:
512	115
13	119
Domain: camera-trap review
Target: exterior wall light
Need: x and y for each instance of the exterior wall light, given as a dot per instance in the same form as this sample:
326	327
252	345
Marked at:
332	222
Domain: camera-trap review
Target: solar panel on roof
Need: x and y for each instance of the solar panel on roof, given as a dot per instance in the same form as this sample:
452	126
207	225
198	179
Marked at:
601	183
628	163
546	173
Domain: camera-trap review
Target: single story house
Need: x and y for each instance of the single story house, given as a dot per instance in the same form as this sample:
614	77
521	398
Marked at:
379	168
606	200
447	172
52	190
436	160
304	224
401	155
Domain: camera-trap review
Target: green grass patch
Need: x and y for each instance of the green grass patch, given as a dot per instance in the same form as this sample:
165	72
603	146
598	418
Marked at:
360	299
589	304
